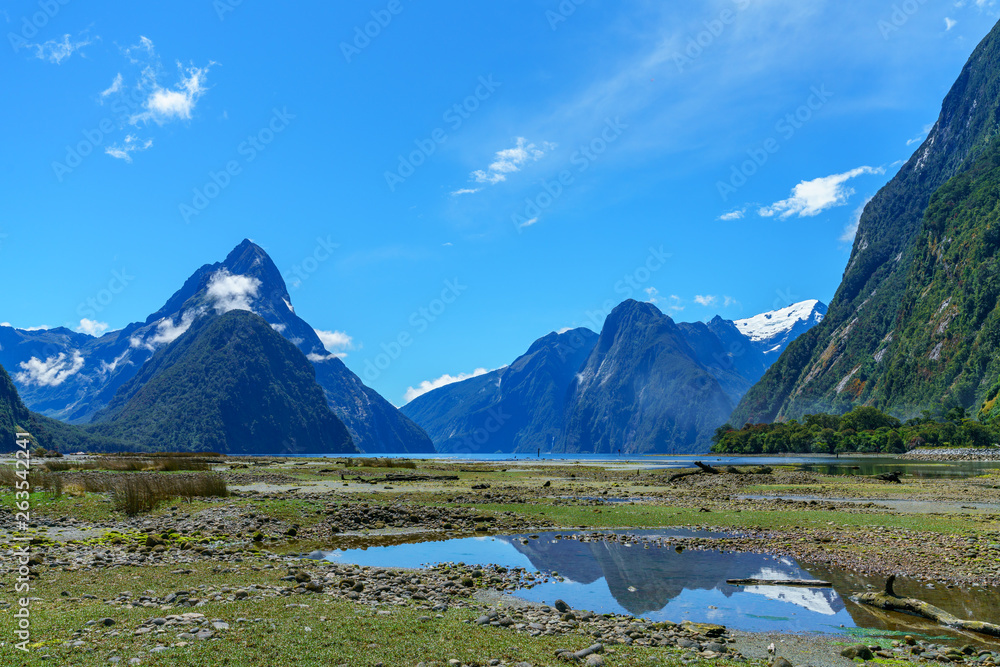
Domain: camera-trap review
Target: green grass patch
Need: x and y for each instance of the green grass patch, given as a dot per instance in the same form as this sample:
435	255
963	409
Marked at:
646	516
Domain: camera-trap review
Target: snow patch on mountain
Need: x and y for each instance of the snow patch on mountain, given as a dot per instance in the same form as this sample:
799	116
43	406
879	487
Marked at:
778	323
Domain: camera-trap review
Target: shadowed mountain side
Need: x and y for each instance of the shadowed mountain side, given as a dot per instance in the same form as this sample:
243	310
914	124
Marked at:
642	390
229	384
914	324
519	408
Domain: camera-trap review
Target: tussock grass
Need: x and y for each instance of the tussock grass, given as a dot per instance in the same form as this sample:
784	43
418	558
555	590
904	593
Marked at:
39	479
137	494
382	463
168	464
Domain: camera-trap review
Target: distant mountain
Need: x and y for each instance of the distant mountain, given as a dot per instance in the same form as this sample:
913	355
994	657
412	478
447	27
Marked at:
915	324
229	384
72	376
528	405
518	408
48	433
642	390
772	332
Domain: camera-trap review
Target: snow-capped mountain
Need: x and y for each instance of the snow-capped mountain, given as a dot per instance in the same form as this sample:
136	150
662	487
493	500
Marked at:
72	376
774	330
653	385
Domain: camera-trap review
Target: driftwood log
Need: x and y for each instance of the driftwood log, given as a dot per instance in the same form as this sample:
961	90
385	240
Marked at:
702	468
890	477
888	600
800	583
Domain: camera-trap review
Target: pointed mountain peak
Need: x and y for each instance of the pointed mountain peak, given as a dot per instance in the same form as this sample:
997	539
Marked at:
631	312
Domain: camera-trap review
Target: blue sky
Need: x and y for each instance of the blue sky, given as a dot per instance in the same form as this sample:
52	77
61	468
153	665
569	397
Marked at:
536	162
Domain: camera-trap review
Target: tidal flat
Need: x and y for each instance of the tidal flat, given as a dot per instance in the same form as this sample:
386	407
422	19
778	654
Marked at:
329	562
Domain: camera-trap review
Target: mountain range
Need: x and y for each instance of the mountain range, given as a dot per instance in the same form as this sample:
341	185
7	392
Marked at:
915	324
73	377
644	384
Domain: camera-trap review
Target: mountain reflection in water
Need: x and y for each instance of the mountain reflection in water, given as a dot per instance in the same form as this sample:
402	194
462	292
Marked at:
661	584
623	576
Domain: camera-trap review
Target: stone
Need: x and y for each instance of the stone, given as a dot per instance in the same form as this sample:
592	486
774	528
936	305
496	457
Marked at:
780	662
858	651
561	606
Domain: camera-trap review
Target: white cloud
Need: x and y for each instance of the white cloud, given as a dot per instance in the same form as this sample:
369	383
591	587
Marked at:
851	230
164	105
654	295
138	52
124	150
733	215
705	300
57	51
53	371
280	328
528	223
115	86
337	343
109	368
920	137
229	292
810	198
443	381
167	331
465	191
949	23
728	301
510	161
92	327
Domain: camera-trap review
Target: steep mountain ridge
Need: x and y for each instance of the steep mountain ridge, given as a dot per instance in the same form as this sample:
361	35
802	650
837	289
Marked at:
518	408
642	390
839	363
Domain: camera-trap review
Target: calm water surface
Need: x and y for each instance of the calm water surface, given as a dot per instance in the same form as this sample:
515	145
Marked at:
658	583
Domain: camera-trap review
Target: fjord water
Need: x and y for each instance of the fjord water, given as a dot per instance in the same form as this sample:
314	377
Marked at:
826	465
646	576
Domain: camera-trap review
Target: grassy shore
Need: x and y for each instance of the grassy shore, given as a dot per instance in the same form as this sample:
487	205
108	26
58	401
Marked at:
89	552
